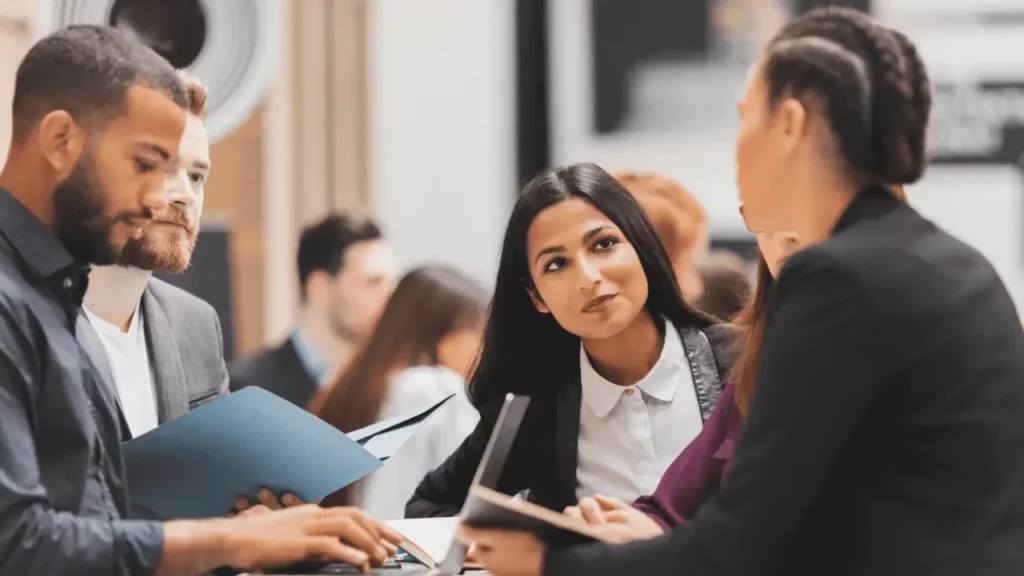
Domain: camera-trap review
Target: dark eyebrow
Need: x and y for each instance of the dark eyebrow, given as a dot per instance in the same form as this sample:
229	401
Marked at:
201	165
549	250
591	233
559	249
164	154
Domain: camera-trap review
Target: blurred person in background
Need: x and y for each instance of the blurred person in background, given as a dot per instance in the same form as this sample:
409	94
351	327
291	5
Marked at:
164	345
421	352
680	221
346	273
587	320
727	284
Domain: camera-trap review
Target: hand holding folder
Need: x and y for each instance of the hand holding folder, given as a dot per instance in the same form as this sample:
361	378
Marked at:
196	465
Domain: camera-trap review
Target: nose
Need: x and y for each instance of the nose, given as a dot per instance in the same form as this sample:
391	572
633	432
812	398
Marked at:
155	197
179	189
589	274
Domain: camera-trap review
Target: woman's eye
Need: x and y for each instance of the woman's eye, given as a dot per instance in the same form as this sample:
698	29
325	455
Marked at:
555	265
196	178
143	166
606	243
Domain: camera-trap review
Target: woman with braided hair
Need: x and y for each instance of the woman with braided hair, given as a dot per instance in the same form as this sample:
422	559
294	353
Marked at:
883	434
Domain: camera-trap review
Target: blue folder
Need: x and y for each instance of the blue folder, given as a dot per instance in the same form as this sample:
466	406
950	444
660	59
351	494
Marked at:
196	465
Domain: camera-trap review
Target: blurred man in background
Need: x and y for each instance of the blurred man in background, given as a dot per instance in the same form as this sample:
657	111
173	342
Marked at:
346	274
164	345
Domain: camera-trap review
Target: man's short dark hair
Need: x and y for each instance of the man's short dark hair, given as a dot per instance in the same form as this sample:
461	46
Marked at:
87	70
322	246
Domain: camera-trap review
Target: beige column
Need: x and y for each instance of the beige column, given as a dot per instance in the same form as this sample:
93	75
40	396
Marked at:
314	139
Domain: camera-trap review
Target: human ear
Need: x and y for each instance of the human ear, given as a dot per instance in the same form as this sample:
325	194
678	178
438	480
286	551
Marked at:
61	141
791	122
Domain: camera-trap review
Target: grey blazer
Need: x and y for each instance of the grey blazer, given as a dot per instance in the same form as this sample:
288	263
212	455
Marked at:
186	349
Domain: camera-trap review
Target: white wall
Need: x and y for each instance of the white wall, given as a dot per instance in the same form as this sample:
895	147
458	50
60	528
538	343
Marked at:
441	127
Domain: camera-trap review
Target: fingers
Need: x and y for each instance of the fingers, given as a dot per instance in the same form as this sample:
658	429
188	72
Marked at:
252	511
573	512
591	511
608	503
242	503
268	499
346	528
616	517
330	548
291	501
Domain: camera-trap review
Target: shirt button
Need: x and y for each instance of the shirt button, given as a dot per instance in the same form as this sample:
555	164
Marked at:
68	283
629	391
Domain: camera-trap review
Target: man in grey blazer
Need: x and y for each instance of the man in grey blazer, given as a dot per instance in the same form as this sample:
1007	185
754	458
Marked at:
163	345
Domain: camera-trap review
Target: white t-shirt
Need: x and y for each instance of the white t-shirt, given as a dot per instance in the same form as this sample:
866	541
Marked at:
629	435
384	494
129	365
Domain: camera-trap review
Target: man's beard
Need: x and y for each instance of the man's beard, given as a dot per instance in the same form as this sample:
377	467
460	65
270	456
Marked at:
155	254
79	209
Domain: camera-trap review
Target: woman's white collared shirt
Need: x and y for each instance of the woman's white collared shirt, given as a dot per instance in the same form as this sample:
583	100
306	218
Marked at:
629	435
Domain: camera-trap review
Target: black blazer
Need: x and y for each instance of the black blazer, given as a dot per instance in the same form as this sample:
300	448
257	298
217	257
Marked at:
279	370
543	457
886	431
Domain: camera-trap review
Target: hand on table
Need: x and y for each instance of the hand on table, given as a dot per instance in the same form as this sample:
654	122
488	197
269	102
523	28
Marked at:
266	499
506	553
308	532
614	519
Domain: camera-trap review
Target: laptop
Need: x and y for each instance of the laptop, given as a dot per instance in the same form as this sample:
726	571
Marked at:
488	471
506	427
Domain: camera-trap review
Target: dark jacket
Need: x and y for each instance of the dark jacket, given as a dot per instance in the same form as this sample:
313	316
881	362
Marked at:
543	457
279	370
886	430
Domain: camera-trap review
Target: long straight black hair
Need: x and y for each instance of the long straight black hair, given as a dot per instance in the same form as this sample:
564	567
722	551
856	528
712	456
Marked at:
527	352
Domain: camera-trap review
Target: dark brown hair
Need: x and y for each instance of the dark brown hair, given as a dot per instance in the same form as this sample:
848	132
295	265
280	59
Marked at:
727	284
751	324
868	82
428	304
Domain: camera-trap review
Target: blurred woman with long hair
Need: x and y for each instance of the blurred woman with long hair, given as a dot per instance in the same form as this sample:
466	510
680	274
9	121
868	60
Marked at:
587	319
421	351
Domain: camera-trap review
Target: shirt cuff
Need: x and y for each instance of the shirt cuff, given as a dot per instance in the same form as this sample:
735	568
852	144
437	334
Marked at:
139	545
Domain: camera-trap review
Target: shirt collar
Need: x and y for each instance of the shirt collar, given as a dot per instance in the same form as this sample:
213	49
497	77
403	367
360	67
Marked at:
602	395
309	357
44	255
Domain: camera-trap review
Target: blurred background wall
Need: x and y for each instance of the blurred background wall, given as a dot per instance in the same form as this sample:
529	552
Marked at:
430	114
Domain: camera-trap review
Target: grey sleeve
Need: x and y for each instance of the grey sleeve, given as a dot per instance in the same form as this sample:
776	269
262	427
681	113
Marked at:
35	538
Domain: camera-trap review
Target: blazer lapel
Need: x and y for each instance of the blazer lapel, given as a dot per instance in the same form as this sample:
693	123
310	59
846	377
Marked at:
703	367
164	361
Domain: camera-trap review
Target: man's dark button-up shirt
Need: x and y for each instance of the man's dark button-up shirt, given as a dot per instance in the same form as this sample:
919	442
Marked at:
63	500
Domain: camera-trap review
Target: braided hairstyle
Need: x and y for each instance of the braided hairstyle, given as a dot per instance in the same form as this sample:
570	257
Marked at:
869	83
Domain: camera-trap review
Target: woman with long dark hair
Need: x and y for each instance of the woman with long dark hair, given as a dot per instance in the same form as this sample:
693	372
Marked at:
587	319
883	434
421	351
